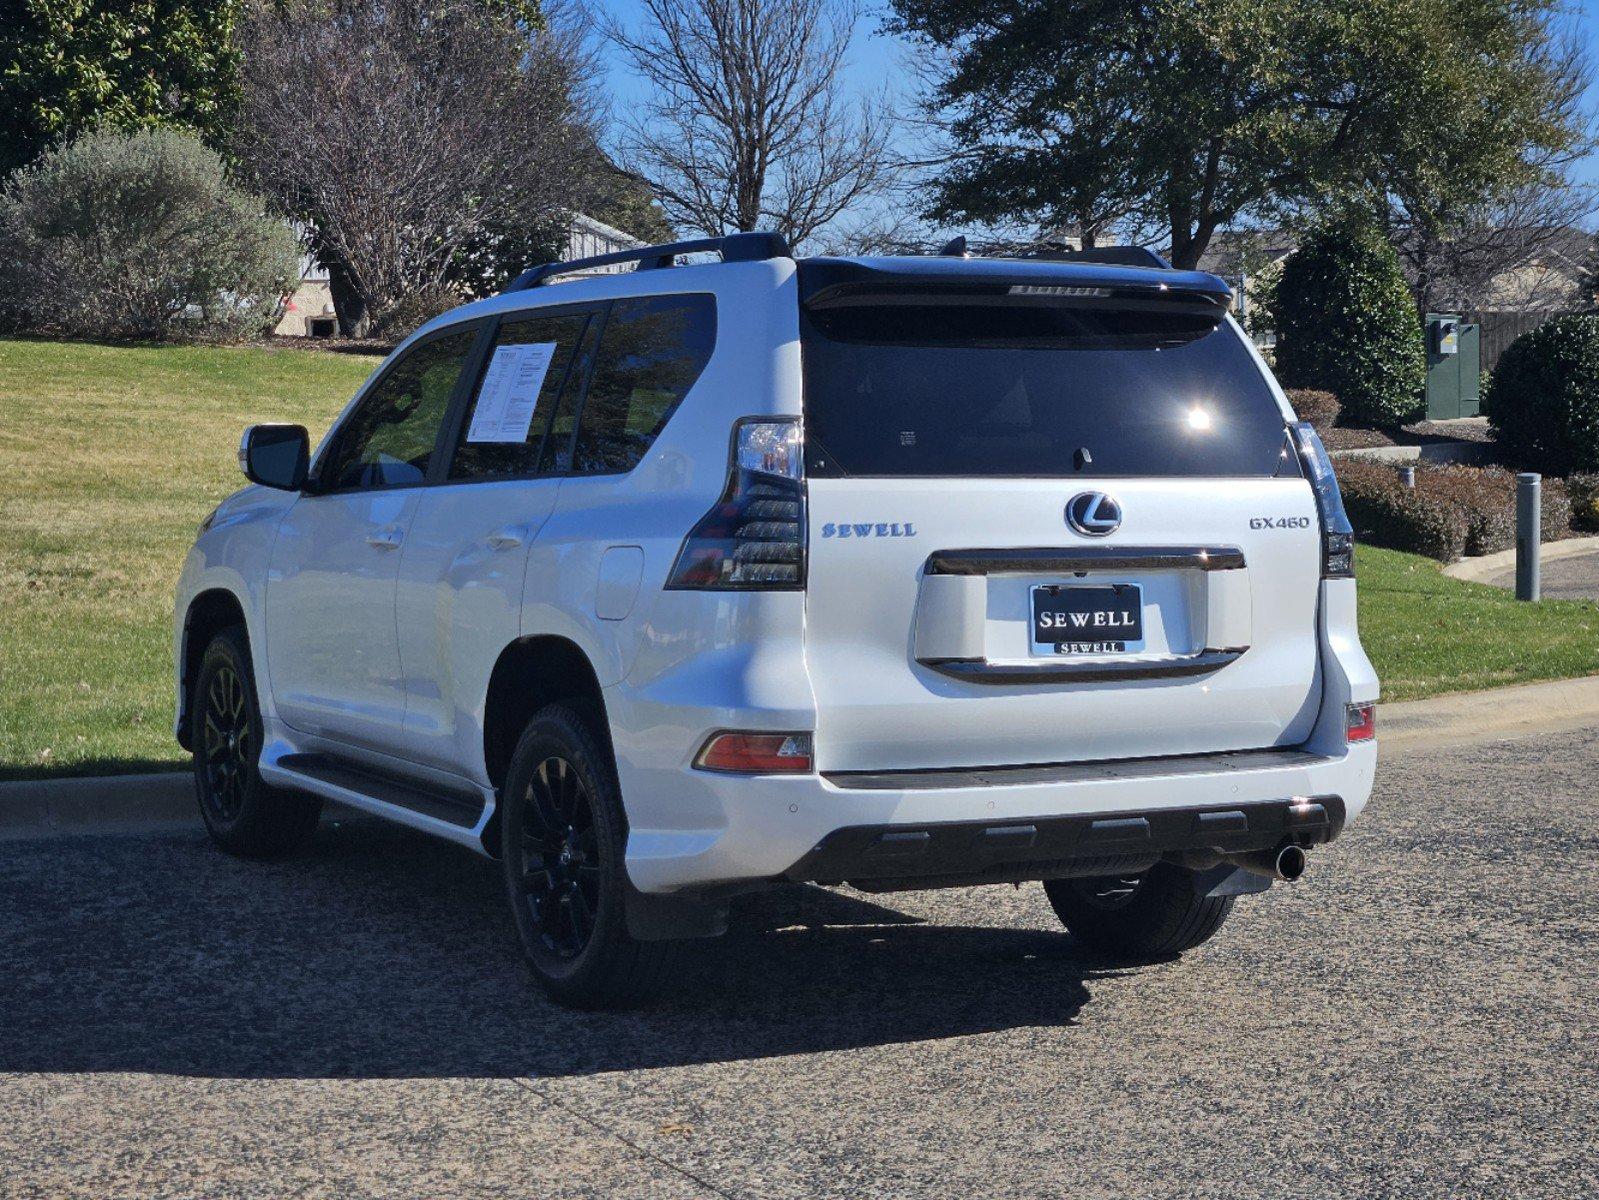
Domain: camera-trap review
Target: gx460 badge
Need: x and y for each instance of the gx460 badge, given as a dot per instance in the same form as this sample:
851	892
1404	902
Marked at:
1279	522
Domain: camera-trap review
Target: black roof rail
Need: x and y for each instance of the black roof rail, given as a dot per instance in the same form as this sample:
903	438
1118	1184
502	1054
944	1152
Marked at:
1111	256
733	247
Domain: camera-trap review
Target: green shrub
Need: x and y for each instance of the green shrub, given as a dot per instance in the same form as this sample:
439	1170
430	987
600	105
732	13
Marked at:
1584	493
1543	400
140	235
1386	514
1479	502
1481	497
1319	408
1346	324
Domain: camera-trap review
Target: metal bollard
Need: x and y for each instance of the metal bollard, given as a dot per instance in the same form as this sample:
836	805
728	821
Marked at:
1407	477
1529	545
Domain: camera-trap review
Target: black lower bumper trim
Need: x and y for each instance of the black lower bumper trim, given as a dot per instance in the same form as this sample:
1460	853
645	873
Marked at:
882	857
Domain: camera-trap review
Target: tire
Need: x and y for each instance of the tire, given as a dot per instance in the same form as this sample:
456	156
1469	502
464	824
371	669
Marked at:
1149	916
563	847
243	815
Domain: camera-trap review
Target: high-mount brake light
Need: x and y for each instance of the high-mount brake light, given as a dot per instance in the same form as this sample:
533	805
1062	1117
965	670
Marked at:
757	753
754	537
1361	722
1337	535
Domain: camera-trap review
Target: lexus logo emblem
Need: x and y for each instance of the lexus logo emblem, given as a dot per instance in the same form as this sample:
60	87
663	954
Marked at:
1093	514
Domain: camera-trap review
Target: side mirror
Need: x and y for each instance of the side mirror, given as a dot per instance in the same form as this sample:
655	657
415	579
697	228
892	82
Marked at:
276	456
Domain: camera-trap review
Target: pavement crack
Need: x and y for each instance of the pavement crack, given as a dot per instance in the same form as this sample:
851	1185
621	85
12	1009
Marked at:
642	1151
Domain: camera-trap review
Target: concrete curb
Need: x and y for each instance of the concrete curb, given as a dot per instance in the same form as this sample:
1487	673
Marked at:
1475	570
1501	714
104	804
128	804
1429	452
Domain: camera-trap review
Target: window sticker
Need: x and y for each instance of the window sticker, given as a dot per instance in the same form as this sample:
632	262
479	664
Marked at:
510	390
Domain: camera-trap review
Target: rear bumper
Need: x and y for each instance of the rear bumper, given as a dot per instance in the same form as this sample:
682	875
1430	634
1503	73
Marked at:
842	827
891	857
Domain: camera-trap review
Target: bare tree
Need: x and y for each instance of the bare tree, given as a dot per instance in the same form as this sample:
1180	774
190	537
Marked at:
747	123
1525	249
405	131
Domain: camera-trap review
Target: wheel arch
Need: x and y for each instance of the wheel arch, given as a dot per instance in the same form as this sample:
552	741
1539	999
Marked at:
530	673
209	613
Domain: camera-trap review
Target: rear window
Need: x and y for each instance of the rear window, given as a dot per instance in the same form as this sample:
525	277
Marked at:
941	386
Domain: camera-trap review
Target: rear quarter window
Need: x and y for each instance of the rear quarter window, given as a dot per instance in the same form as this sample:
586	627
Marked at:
945	388
651	351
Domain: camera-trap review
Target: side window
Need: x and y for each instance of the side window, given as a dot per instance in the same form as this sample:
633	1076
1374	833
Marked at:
557	458
505	423
650	353
388	440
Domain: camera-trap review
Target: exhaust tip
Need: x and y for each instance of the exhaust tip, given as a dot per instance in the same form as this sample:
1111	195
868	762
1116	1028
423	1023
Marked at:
1290	862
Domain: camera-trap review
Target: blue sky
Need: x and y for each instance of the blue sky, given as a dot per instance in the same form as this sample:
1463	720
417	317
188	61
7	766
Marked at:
877	58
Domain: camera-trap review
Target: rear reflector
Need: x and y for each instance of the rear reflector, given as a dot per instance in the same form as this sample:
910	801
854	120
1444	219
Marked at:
757	753
1362	722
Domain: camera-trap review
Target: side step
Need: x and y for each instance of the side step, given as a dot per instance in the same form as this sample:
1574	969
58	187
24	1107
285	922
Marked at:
455	814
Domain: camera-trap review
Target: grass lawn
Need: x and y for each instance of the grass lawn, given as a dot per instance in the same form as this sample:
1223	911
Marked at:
109	458
111	455
1427	633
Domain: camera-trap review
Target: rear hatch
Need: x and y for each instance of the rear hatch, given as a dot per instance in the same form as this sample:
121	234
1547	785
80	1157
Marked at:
1054	516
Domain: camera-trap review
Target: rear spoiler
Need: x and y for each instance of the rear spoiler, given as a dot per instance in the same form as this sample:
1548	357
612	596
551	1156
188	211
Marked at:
838	282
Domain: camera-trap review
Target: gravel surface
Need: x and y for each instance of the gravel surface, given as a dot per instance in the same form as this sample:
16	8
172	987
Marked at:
1416	1018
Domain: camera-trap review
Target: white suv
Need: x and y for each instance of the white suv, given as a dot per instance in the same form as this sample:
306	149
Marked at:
901	572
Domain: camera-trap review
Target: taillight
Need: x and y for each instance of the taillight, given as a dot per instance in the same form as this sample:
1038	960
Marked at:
1337	535
1361	722
754	538
757	753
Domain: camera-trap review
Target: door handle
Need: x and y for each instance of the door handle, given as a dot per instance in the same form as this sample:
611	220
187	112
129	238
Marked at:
385	539
508	538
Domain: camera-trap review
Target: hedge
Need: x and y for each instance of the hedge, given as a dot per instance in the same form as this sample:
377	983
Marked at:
1451	512
1584	493
1386	514
1318	407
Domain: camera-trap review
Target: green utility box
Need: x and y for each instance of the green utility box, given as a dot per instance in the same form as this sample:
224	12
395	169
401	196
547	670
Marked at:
1454	367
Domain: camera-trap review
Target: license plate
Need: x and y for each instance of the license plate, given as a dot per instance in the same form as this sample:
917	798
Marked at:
1095	619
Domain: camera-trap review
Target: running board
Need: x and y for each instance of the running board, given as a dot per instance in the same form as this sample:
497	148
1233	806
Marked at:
455	815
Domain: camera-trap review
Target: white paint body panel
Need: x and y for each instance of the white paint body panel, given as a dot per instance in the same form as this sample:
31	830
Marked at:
384	656
879	708
332	650
458	603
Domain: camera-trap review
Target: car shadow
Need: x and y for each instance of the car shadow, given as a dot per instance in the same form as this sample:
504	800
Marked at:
378	953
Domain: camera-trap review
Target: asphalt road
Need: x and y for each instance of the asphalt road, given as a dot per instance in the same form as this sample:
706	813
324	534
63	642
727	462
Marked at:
1416	1018
1575	578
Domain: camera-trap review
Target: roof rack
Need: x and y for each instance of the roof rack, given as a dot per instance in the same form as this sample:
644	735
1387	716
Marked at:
733	247
1111	256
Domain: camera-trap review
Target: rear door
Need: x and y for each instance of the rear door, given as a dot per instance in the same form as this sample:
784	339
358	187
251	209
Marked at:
1049	524
458	602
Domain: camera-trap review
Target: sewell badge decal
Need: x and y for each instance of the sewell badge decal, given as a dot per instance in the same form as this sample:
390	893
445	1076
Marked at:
868	529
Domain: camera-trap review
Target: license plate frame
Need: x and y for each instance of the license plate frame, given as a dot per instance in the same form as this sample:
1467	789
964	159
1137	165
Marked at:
1121	623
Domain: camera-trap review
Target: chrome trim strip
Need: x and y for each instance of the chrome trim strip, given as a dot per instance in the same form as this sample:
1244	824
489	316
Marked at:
1063	559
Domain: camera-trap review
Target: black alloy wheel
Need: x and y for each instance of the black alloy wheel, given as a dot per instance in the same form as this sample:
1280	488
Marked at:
563	840
242	813
560	858
226	744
